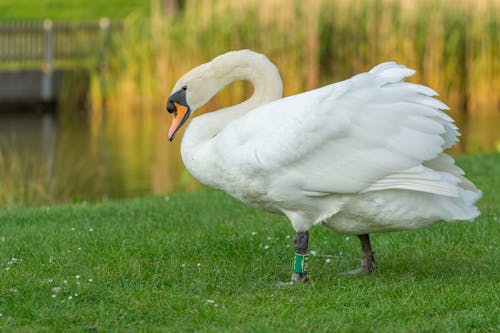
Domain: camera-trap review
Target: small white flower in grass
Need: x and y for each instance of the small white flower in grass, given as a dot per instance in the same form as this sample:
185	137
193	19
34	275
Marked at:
328	260
313	253
79	249
266	247
183	265
54	295
73	229
56	290
254	233
166	198
77	277
287	237
70	297
65	281
7	268
347	238
198	264
77	283
269	238
50	280
90	280
13	261
91	229
76	294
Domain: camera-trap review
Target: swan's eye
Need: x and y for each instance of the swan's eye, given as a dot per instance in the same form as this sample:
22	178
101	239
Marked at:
184	88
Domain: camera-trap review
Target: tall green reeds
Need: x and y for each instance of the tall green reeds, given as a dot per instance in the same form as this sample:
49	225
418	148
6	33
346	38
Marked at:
454	46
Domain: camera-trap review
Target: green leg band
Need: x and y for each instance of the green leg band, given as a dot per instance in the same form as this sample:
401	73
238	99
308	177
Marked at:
301	263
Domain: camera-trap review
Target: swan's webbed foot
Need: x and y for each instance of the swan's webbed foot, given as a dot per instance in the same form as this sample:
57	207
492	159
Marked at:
299	277
368	259
296	279
367	267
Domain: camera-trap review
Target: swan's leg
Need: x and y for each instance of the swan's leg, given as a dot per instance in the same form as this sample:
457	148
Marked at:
367	260
301	258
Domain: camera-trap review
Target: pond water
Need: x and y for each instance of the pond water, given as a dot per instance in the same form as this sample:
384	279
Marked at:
74	155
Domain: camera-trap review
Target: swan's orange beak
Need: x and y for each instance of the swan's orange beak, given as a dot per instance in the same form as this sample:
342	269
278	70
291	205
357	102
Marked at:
181	114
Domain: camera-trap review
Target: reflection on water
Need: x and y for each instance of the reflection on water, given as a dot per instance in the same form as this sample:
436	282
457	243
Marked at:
78	155
47	157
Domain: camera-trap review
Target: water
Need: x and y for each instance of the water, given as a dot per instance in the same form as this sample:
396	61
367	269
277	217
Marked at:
75	155
72	156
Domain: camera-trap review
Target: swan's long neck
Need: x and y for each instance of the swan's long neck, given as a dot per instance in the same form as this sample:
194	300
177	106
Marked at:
225	69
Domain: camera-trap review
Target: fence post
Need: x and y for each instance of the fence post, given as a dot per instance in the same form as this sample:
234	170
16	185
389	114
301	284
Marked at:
47	84
103	61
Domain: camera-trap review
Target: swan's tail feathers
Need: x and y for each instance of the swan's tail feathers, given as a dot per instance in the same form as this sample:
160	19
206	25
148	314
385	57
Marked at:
454	196
461	208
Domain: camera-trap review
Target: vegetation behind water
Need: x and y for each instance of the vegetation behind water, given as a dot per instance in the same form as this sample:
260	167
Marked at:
454	46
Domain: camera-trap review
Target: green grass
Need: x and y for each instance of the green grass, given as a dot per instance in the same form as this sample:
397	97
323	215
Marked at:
155	264
69	9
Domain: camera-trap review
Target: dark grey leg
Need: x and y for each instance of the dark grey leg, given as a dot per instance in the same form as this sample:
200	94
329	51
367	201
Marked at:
367	260
301	259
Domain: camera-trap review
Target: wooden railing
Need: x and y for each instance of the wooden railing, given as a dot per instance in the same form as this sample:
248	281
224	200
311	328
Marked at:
31	43
33	51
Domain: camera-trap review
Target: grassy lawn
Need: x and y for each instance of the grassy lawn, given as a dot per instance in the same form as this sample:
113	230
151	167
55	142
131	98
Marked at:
204	262
69	9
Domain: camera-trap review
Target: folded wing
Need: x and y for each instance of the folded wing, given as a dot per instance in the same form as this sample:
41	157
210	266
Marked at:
371	132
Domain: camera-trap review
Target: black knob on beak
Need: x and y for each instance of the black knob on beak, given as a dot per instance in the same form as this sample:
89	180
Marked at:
170	106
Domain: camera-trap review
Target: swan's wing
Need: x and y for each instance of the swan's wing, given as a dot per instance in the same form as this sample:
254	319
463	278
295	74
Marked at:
371	130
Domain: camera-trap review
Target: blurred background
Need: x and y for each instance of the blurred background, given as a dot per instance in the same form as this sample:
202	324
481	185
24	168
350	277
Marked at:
83	83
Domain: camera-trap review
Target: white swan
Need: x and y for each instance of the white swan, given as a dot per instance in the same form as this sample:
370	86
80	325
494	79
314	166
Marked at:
359	156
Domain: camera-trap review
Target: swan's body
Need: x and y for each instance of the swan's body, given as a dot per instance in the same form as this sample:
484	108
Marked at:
360	156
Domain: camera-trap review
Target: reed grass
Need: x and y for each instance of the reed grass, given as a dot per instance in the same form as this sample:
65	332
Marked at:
454	46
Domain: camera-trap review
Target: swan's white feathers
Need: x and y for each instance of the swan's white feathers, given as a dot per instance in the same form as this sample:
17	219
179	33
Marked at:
345	137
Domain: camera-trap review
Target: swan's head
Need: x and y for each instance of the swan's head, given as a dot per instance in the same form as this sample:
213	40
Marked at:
192	90
200	84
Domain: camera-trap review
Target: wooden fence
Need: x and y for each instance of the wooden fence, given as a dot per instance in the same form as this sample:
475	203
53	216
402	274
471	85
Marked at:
26	43
34	54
